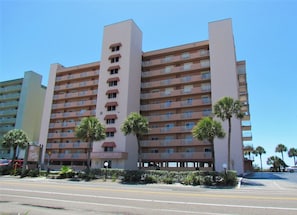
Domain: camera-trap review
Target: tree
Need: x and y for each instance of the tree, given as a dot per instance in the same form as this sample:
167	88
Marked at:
224	109
281	148
208	129
137	125
259	151
248	150
15	138
89	130
292	153
276	163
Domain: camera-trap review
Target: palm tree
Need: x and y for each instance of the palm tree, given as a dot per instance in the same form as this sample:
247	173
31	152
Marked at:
137	125
248	150
15	138
259	151
224	109
208	129
90	130
292	153
275	162
281	148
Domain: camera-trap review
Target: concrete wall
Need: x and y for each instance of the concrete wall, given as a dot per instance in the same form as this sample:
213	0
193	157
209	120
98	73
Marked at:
224	82
128	98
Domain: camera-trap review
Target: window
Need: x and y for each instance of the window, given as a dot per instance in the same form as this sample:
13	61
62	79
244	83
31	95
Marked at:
187	66
112	95
110	121
167	69
114	71
109	134
189	101
115	48
188	88
108	149
206	112
112	83
168	103
111	108
205	75
205	99
168	90
205	87
204	63
185	55
167	59
190	125
114	59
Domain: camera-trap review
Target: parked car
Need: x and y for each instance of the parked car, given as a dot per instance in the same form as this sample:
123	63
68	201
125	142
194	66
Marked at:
291	169
4	162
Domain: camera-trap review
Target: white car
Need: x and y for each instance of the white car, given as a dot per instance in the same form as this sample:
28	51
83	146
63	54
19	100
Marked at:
291	169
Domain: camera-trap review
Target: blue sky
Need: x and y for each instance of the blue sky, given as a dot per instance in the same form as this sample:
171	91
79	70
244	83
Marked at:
35	34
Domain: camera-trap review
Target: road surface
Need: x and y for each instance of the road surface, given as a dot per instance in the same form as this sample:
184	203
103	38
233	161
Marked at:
35	196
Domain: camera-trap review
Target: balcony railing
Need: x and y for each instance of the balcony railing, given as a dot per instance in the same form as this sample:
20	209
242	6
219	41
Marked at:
177	156
174	117
172	142
77	76
178	69
74	104
109	155
176	58
82	145
196	90
171	105
76	85
174	81
73	114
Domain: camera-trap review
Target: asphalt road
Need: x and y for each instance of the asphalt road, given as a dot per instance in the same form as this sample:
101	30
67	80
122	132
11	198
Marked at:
258	194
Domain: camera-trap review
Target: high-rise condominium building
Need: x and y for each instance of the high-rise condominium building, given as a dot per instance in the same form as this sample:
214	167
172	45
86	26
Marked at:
173	88
21	105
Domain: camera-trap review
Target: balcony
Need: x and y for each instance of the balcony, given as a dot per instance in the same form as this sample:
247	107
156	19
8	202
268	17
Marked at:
175	117
173	105
173	70
76	85
73	114
10	112
172	142
171	130
177	58
82	145
10	96
75	95
69	156
174	81
11	88
61	135
77	76
109	155
63	125
183	92
177	156
74	104
8	121
9	104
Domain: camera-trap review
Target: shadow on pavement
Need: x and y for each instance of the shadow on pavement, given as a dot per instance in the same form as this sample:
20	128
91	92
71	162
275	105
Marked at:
263	175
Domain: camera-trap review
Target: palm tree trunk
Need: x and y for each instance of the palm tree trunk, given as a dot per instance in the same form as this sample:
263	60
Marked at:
89	155
229	144
213	157
261	162
139	154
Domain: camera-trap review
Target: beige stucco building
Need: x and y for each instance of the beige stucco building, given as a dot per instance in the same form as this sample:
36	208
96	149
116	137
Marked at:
172	87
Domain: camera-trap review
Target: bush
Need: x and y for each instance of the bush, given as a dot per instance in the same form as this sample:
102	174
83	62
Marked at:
66	172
